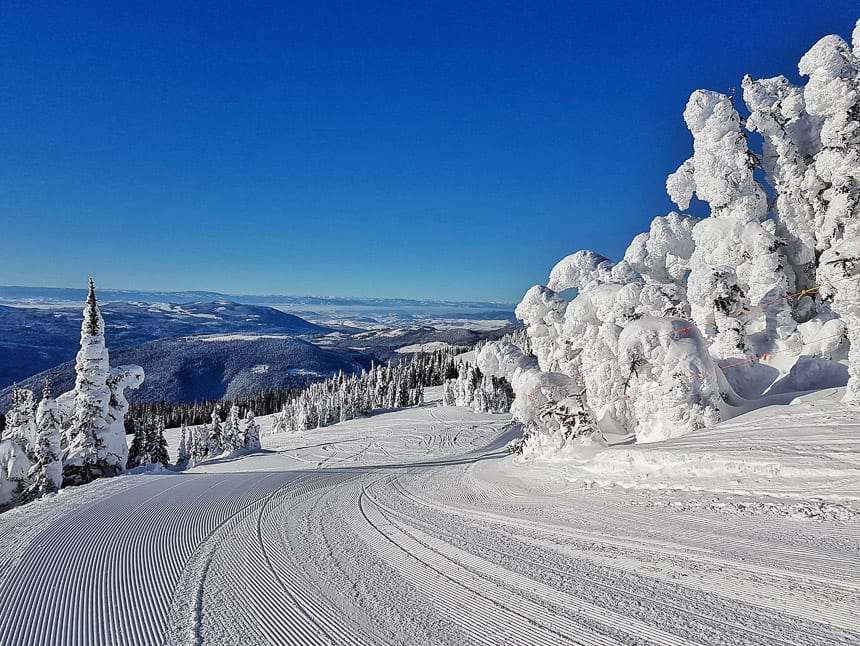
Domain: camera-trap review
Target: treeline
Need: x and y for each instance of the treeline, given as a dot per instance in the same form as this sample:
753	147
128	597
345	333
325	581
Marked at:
428	368
200	412
384	386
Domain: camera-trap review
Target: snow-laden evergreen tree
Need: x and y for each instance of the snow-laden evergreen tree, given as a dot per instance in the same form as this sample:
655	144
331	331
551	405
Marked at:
119	380
93	450
139	445
230	432
14	467
184	450
483	393
198	444
215	439
46	474
156	443
736	263
840	266
672	383
661	258
251	432
20	421
791	140
832	94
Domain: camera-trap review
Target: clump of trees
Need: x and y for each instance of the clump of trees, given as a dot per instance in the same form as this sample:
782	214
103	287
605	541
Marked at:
76	437
652	343
480	392
345	397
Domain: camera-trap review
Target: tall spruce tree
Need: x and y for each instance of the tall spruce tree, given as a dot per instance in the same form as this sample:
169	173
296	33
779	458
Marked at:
86	456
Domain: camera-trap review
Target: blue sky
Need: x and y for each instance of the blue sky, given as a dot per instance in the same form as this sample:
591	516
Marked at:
393	149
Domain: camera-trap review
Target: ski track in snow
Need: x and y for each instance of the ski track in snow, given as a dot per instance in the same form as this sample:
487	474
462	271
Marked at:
406	528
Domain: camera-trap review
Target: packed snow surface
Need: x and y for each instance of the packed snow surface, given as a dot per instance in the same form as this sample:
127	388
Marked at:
416	527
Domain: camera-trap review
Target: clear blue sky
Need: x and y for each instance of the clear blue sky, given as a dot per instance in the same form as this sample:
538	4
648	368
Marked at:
432	150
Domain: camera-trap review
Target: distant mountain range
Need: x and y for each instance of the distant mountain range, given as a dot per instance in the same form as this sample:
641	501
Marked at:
210	367
34	339
58	295
209	349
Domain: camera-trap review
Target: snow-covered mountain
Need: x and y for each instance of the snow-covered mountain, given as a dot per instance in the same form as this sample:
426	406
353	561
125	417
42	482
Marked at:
203	350
365	312
193	368
35	339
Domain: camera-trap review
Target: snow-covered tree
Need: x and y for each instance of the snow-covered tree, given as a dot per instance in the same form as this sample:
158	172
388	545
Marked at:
791	139
14	466
139	446
832	95
672	384
119	380
20	421
93	451
215	438
840	266
46	474
156	443
736	263
231	439
184	450
251	432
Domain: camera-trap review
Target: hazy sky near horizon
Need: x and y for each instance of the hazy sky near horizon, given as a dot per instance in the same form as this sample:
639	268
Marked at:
430	150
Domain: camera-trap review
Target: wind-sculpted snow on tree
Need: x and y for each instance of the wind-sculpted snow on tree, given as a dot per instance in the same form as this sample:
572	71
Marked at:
745	274
119	380
840	267
662	258
672	383
791	138
551	406
736	262
832	94
542	311
14	466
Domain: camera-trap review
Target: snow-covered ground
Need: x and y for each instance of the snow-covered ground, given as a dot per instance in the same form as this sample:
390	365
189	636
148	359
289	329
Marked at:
415	527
